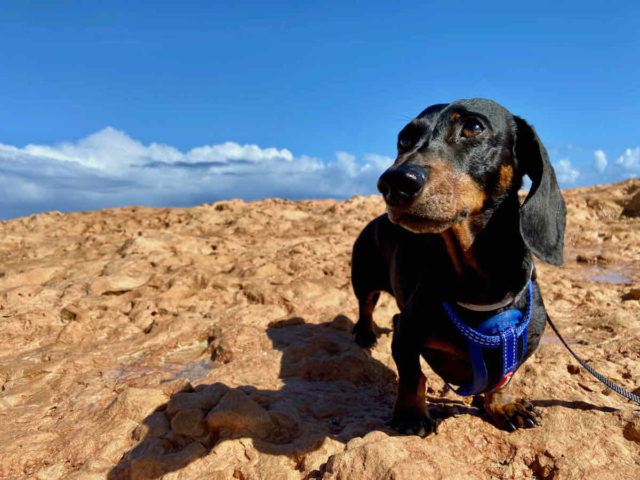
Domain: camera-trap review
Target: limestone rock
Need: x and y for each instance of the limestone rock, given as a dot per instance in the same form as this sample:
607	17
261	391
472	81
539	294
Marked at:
237	412
215	342
189	422
204	397
137	403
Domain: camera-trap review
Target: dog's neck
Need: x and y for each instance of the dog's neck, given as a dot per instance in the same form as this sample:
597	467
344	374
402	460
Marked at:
489	257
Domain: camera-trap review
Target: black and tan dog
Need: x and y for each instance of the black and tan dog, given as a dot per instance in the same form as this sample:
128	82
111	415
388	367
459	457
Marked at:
455	234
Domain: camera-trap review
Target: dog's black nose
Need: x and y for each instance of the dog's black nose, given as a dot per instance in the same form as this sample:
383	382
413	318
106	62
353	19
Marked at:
399	186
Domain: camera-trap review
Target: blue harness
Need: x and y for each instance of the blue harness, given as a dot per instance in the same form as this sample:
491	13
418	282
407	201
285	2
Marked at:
500	331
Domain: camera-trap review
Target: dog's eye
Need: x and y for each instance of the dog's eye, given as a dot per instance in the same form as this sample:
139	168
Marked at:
471	128
404	143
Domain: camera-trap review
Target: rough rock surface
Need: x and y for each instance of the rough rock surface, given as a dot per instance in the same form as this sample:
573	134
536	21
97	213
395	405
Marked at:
214	342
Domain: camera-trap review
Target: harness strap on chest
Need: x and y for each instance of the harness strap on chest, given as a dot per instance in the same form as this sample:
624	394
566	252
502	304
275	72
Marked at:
504	331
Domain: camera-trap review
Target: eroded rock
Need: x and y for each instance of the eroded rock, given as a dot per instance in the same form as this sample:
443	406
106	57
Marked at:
237	412
215	342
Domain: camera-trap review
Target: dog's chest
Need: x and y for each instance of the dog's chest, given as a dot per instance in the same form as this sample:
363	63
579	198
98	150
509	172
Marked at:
448	360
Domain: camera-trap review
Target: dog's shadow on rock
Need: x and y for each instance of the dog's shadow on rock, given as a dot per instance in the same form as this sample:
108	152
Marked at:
331	388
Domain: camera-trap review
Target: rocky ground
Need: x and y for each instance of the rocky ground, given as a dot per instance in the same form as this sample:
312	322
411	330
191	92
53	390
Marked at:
214	342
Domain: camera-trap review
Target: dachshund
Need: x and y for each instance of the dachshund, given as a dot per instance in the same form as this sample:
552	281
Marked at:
454	249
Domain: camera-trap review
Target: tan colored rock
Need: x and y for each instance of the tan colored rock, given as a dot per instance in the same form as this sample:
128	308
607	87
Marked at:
150	465
389	458
137	403
237	412
121	329
114	284
155	425
286	421
204	397
51	472
189	422
143	245
34	276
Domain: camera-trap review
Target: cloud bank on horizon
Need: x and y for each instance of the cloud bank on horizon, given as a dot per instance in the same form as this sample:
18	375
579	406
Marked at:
110	169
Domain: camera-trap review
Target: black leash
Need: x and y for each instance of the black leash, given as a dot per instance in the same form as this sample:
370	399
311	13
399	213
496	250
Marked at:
606	381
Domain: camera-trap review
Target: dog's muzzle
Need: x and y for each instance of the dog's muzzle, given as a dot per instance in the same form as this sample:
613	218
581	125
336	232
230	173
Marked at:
400	186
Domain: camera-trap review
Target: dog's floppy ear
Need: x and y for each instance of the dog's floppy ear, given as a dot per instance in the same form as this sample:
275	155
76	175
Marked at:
542	216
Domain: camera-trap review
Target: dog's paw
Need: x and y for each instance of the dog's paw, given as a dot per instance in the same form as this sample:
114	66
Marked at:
513	415
365	337
411	422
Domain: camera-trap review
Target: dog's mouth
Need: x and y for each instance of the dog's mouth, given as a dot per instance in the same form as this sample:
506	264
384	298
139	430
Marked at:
447	198
421	224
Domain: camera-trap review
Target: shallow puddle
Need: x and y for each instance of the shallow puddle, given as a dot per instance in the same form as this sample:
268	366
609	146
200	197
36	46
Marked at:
610	277
193	371
619	275
171	371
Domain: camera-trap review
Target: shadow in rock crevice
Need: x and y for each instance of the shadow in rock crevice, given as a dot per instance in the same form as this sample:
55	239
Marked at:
332	388
575	405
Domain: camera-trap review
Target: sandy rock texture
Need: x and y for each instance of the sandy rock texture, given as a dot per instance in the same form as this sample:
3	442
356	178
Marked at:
214	342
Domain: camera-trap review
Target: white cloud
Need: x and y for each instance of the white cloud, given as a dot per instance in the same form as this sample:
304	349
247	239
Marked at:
346	162
600	160
581	169
378	162
109	168
630	160
565	172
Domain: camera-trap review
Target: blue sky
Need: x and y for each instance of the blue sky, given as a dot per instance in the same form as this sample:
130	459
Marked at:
115	103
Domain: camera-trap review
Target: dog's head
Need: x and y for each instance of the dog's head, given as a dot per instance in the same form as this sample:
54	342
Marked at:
461	161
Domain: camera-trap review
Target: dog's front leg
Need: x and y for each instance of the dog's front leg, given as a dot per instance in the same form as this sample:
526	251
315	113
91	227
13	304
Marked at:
409	412
509	412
